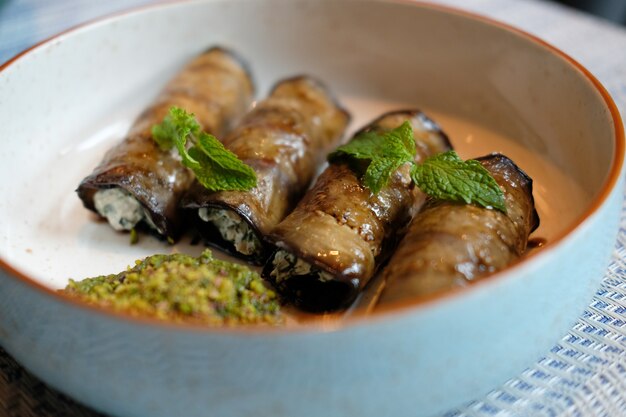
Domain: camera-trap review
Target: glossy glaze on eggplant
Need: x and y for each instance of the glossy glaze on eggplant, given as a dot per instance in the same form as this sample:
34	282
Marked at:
217	88
450	244
333	242
284	139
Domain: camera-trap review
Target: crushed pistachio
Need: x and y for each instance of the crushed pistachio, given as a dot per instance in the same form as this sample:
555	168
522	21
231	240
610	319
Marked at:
183	288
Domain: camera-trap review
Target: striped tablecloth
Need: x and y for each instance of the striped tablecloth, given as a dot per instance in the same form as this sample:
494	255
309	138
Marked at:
583	375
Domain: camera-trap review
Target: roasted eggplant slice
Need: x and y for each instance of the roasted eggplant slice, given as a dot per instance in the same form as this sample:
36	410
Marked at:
333	242
136	182
284	139
450	244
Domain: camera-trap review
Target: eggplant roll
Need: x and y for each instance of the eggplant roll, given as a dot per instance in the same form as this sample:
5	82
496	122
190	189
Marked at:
138	183
450	244
330	246
284	139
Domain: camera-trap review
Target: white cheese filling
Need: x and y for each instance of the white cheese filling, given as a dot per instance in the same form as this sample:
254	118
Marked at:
232	229
120	208
287	265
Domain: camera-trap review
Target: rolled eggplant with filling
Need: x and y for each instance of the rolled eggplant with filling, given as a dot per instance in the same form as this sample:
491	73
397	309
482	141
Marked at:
335	239
284	139
137	183
451	244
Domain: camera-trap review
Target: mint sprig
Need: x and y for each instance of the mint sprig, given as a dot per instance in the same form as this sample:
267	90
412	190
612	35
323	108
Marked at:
214	166
385	154
443	176
446	176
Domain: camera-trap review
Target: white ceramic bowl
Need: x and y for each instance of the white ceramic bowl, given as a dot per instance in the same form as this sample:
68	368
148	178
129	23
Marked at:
492	88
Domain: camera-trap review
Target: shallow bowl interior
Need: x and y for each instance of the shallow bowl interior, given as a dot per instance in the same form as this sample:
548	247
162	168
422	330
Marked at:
491	89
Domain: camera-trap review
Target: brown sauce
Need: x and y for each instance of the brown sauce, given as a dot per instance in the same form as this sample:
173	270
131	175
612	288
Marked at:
536	243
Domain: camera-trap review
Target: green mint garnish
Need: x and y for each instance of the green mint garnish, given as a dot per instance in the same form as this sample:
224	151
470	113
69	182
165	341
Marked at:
385	154
444	176
176	127
215	167
447	177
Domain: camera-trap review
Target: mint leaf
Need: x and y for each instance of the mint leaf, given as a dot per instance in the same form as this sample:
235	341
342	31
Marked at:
395	144
447	177
404	135
385	152
367	145
444	176
220	169
379	172
215	167
173	131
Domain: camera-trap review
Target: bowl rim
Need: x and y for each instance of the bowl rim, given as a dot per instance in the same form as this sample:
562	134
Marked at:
335	321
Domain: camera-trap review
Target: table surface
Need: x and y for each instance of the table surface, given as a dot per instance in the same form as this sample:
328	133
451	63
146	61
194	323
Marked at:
582	375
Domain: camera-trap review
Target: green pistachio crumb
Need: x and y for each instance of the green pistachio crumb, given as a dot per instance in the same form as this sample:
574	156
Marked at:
183	288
